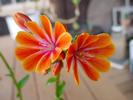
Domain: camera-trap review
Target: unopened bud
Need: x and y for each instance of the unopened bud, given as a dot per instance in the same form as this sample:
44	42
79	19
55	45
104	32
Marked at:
21	19
57	66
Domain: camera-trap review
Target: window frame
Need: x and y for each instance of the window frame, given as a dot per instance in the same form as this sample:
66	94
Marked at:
12	2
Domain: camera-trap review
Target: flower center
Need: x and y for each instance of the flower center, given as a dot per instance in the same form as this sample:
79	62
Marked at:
48	46
80	54
84	55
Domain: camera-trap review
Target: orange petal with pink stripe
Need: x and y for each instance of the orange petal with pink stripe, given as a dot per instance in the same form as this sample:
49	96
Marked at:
73	47
59	29
81	39
68	61
27	39
35	29
23	52
105	51
30	62
90	71
91	39
43	64
55	54
101	64
46	25
64	41
103	41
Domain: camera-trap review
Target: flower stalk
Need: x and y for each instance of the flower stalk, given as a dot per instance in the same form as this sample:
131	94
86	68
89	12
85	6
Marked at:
59	88
57	82
12	75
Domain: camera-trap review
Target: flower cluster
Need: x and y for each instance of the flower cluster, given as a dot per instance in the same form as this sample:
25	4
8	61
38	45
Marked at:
42	48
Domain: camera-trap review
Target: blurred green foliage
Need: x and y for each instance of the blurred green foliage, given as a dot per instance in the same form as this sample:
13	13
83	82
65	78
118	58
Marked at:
76	2
23	81
51	80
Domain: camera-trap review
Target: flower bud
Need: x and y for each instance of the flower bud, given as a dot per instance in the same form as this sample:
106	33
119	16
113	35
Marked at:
62	55
21	19
57	66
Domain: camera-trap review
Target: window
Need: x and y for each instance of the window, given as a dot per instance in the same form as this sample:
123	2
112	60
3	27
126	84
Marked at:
4	2
20	0
131	2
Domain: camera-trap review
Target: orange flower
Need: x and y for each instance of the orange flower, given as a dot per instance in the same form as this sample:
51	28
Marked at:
21	19
43	47
91	52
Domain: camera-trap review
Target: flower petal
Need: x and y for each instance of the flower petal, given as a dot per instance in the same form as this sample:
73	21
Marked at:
91	39
103	41
55	54
46	25
64	41
43	64
69	59
106	51
73	48
81	39
101	64
30	62
34	28
75	68
90	72
23	52
27	39
59	29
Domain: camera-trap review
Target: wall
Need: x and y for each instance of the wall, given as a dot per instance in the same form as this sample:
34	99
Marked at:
100	12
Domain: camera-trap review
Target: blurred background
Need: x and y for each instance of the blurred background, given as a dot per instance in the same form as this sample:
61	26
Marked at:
93	16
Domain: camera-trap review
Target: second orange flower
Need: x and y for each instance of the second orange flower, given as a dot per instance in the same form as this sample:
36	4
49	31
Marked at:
91	53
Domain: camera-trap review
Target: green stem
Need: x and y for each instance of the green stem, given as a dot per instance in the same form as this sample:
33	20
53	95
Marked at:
12	75
57	83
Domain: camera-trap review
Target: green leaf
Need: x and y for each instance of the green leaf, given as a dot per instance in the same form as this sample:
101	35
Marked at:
23	81
36	0
76	2
51	80
58	98
60	89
